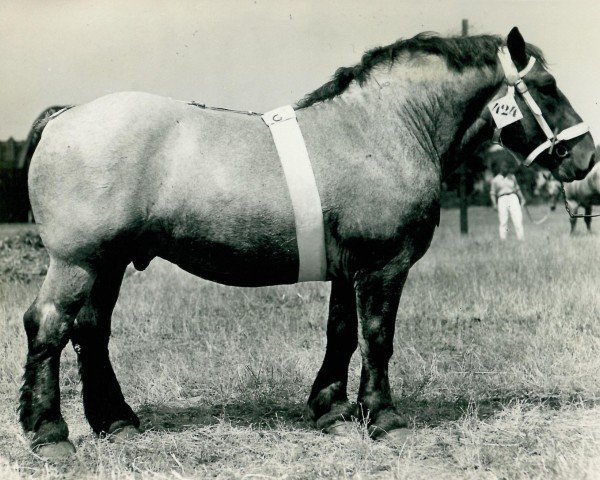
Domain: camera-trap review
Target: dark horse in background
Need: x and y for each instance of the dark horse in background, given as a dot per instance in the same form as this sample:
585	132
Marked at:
133	176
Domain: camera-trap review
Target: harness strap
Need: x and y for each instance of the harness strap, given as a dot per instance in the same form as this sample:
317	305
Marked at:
306	203
566	134
62	110
535	109
528	67
514	79
510	70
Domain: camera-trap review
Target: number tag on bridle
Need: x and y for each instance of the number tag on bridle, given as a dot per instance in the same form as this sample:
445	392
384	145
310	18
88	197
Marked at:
505	111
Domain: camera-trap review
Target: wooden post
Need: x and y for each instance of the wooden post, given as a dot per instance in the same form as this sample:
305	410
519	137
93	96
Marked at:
462	189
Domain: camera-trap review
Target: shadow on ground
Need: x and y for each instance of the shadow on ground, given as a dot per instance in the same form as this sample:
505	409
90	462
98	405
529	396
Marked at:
432	413
251	413
422	413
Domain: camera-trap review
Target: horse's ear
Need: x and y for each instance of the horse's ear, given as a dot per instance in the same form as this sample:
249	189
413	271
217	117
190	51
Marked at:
516	47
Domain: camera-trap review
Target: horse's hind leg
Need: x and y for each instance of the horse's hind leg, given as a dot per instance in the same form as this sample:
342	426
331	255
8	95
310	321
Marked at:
588	219
328	400
48	324
104	405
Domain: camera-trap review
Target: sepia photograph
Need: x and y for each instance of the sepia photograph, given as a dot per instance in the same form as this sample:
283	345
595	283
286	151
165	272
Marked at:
278	239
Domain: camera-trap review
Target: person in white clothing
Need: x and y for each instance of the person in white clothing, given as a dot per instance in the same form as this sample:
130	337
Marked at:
507	198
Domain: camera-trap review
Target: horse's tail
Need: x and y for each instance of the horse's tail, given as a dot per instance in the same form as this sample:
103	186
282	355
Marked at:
26	153
35	134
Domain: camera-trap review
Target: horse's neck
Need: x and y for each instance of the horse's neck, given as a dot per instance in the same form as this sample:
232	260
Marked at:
422	102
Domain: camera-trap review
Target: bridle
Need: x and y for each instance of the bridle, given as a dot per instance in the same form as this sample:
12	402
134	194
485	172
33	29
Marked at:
514	80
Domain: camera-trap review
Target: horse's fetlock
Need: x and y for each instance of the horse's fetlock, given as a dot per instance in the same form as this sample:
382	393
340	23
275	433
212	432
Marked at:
50	431
375	401
321	402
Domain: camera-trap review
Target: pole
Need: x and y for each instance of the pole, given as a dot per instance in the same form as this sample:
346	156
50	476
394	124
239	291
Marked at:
462	189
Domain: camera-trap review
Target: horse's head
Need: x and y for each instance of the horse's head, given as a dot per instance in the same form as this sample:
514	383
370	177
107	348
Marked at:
550	133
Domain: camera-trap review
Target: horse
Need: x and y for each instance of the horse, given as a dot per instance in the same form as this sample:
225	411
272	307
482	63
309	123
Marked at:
546	186
580	193
133	176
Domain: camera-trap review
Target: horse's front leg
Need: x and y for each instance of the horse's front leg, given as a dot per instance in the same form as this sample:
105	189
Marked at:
573	220
378	295
328	401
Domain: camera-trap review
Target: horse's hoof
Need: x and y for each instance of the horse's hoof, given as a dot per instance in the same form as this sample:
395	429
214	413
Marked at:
123	434
340	412
397	437
386	422
342	429
55	451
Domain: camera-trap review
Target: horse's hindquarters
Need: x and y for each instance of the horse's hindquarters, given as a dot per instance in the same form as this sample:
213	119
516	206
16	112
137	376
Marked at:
155	177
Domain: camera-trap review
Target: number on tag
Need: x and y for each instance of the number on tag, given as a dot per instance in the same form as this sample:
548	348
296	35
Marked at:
505	111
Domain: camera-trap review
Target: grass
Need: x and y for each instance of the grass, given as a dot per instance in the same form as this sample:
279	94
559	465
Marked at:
496	364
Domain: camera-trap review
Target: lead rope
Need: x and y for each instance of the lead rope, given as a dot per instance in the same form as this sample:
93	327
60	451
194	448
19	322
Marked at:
568	209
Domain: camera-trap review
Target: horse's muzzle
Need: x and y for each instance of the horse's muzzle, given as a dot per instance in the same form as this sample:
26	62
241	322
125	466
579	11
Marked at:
580	174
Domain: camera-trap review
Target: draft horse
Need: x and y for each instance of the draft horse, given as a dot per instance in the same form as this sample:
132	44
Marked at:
132	176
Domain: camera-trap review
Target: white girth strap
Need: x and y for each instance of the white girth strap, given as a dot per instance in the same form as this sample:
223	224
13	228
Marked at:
306	203
514	80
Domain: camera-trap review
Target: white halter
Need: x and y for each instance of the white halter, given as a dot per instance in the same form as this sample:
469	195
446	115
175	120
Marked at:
514	80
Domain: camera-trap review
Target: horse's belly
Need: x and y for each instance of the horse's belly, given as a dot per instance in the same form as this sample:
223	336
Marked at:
230	225
265	261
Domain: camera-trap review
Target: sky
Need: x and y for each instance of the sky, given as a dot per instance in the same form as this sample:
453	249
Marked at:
254	54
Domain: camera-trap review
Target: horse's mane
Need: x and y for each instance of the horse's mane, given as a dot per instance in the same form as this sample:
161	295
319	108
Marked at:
459	53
